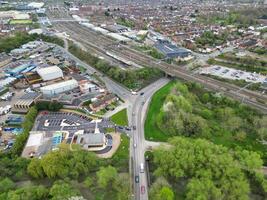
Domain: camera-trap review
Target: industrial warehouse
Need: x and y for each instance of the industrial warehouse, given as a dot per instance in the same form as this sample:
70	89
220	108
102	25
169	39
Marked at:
42	72
172	51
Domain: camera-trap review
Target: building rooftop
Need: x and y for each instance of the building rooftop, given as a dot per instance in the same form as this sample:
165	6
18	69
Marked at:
91	139
46	71
30	95
170	50
60	85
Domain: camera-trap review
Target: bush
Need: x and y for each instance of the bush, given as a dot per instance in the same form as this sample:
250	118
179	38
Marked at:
27	126
12	42
50	106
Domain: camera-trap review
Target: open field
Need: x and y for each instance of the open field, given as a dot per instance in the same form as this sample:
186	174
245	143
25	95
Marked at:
152	132
120	118
20	21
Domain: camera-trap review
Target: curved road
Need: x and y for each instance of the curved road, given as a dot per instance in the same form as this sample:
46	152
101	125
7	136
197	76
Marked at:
136	115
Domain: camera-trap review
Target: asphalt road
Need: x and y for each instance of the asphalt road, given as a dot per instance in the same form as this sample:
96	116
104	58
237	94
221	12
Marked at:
136	105
136	115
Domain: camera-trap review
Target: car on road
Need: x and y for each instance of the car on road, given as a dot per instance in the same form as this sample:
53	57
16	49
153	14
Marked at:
134	93
135	145
136	179
134	128
143	189
120	127
128	129
142	168
142	93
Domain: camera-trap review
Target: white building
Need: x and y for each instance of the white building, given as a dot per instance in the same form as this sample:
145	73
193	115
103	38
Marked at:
57	88
14	14
50	73
36	5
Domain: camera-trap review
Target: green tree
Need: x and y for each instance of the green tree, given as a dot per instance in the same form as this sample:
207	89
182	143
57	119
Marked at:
262	133
27	126
199	160
106	176
35	168
6	184
28	193
122	186
156	192
240	136
62	190
54	164
202	189
88	182
165	193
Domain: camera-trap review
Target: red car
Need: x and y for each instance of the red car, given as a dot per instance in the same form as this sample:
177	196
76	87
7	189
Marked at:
143	189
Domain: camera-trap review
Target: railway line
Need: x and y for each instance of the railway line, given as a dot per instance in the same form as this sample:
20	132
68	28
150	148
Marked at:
183	74
99	44
89	45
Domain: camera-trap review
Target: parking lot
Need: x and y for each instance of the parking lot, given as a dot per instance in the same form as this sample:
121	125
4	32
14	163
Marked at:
234	74
54	121
10	101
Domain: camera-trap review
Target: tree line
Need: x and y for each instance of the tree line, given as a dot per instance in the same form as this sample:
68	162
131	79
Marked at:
204	170
12	42
189	110
65	173
133	79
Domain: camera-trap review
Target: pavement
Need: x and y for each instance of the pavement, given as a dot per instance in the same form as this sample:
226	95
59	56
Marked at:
116	140
117	109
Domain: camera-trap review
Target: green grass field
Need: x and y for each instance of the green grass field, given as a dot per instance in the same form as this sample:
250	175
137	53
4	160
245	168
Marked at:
120	159
120	118
20	21
152	132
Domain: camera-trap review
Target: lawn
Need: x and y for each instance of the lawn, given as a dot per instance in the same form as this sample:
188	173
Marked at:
20	21
152	132
120	118
120	159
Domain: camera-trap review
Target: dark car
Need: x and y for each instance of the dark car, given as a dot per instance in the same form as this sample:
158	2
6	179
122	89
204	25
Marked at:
134	127
136	179
128	129
142	93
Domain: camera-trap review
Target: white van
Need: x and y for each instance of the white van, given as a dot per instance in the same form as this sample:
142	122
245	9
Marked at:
142	168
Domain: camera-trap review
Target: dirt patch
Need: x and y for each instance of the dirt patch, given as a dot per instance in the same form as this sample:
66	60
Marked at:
116	140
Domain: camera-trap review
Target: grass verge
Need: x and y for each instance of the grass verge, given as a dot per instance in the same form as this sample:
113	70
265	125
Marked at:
120	118
152	132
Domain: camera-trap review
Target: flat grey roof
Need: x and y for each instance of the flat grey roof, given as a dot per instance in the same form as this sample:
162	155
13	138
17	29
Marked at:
167	48
91	138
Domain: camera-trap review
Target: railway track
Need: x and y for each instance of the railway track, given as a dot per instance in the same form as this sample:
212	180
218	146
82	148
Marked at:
171	68
98	43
